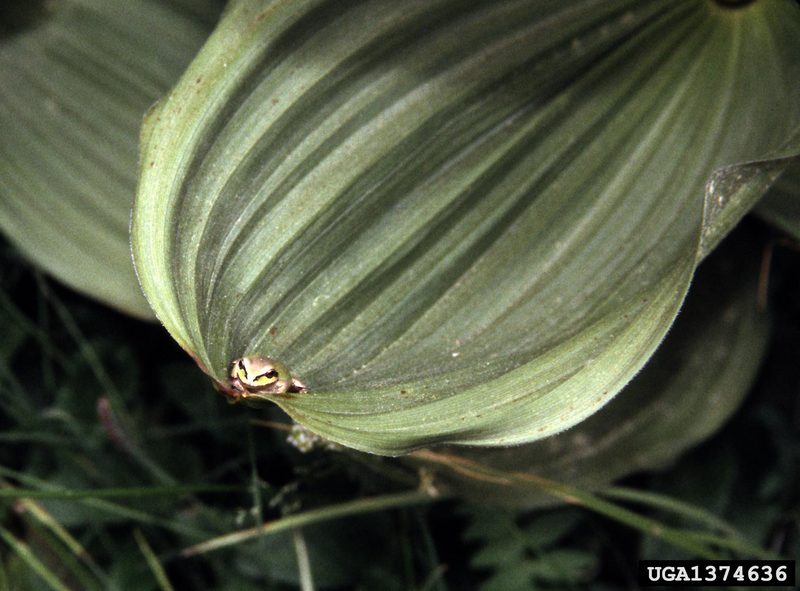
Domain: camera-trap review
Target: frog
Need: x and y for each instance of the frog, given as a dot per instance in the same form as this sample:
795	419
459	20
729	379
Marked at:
254	375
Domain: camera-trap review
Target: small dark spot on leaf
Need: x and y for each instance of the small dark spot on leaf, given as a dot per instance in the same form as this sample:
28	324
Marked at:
274	100
733	4
199	80
152	163
273	330
403	392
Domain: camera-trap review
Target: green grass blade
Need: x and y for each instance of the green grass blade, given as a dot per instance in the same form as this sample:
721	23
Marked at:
24	552
674	506
366	505
702	544
152	561
45	519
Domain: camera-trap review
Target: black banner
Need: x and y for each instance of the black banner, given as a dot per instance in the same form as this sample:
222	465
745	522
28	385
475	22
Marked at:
712	573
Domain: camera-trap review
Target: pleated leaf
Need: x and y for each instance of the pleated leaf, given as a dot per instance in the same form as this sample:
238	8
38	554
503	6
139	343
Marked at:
689	388
464	222
76	78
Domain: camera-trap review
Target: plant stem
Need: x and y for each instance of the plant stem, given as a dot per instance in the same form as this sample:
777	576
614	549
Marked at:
366	505
303	561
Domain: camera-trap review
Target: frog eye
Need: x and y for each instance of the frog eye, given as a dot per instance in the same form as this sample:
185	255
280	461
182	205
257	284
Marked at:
266	378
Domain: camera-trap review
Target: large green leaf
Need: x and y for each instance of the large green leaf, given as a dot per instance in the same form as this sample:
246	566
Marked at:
75	81
689	388
465	222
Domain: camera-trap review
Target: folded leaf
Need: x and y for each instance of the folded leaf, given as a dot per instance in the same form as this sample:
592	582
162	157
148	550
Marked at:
454	222
77	77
